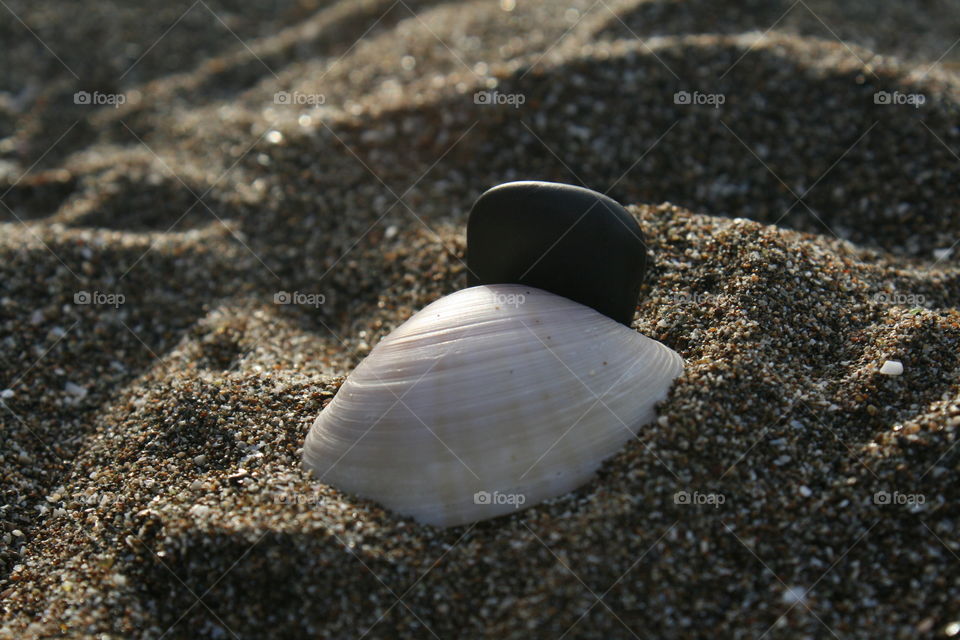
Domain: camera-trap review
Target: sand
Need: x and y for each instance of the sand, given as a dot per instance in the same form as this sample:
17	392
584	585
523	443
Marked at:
155	396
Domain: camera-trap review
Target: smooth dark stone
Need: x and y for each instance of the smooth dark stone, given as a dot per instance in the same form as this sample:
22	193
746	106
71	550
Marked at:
568	240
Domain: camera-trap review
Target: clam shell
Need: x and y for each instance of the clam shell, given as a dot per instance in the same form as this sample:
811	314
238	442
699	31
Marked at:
491	399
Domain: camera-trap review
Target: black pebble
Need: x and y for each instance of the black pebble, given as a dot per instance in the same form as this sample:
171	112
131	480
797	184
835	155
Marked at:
567	240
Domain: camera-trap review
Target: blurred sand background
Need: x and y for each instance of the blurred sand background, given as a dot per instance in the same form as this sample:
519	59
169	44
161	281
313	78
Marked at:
800	233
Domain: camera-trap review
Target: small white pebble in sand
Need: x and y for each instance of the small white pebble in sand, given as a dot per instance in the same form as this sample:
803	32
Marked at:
951	629
892	368
805	491
200	510
17	533
794	595
75	390
274	137
942	254
6	394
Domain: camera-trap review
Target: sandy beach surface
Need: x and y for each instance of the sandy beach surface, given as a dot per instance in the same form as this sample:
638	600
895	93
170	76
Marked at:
171	175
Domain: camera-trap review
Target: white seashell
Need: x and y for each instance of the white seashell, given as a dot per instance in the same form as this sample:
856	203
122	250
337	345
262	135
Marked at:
491	399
